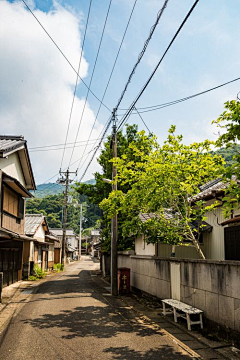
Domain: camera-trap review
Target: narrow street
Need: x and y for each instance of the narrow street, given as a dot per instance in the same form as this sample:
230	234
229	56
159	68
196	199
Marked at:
73	316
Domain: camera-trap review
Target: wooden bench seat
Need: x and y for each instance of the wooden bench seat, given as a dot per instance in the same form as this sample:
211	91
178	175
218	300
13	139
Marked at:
186	312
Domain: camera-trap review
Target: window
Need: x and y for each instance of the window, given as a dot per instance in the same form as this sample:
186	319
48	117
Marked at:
13	203
10	201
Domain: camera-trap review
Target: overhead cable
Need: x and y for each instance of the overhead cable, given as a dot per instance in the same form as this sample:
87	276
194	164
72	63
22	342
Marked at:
110	76
131	75
76	84
157	66
142	120
97	147
142	52
95	63
50	37
161	106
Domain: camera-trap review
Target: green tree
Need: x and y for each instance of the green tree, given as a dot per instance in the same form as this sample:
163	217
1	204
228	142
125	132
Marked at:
100	190
164	182
229	121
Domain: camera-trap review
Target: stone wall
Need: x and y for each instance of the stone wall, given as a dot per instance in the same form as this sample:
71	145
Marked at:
212	286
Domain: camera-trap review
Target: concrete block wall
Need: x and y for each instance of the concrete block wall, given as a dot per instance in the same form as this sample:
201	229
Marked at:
148	274
212	286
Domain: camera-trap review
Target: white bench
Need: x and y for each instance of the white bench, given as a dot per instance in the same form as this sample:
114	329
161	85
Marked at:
184	308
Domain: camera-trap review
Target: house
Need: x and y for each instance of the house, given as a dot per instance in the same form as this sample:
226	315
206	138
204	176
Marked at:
16	181
96	243
40	250
219	240
72	241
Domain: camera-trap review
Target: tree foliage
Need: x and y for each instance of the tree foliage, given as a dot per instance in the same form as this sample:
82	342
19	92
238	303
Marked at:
51	206
163	181
101	190
229	121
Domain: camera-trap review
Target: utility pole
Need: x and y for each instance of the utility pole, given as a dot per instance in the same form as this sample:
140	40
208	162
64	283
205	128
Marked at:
64	180
114	285
80	233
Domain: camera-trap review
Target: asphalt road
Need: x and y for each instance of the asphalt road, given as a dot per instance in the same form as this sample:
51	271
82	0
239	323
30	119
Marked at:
72	316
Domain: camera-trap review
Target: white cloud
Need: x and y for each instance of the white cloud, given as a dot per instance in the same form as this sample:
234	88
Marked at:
36	83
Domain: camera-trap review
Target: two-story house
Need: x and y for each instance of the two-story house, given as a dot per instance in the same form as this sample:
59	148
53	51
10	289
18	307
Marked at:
16	179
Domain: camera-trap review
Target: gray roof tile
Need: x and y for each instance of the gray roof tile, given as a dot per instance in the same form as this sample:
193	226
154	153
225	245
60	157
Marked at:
32	222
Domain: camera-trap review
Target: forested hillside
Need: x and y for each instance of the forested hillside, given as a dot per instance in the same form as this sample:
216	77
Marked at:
53	189
51	206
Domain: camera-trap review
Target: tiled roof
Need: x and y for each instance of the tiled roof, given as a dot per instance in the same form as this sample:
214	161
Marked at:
148	216
32	222
9	143
59	232
210	188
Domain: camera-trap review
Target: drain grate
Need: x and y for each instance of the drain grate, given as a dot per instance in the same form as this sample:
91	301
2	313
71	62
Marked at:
25	292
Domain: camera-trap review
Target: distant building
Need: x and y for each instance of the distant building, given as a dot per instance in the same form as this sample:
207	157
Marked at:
72	241
40	250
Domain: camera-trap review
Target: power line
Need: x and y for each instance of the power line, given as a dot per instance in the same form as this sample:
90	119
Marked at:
114	64
75	89
64	55
97	147
142	52
95	63
157	66
130	77
142	120
61	148
161	106
54	145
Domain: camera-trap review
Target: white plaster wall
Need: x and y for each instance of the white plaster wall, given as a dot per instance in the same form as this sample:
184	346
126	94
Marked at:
71	241
51	253
142	248
31	255
40	234
11	166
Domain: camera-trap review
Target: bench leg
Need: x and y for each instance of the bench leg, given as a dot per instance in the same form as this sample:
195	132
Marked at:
201	322
164	308
175	314
188	322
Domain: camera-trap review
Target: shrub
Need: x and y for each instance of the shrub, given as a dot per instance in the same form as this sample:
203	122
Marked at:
32	278
58	267
38	272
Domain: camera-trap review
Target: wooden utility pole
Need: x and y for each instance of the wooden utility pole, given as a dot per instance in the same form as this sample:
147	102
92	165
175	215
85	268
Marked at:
64	180
114	285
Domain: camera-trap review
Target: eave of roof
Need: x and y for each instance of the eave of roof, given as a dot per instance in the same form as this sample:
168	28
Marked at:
231	221
14	236
16	185
11	144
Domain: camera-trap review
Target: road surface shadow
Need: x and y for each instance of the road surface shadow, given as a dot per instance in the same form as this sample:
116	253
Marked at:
97	321
163	352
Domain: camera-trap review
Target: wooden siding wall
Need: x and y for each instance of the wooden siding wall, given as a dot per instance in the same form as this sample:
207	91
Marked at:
10	223
215	239
10	201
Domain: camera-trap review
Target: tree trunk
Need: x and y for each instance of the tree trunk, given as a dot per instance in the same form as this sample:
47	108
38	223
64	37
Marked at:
197	246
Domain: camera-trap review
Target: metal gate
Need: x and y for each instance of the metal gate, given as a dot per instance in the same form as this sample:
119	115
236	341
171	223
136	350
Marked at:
175	280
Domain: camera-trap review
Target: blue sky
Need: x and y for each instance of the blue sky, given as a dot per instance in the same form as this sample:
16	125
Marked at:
205	54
